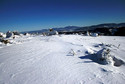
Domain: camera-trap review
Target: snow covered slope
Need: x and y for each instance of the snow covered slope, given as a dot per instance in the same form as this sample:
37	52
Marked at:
65	59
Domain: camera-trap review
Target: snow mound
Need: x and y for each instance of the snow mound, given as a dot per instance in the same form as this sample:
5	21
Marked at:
103	57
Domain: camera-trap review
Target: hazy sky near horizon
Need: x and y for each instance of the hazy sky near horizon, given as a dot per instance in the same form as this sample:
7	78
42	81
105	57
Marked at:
26	15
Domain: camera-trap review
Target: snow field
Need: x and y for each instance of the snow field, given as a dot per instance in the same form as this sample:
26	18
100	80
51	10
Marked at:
64	59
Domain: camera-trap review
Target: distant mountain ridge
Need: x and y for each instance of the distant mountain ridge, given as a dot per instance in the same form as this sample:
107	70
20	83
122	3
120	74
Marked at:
77	28
105	25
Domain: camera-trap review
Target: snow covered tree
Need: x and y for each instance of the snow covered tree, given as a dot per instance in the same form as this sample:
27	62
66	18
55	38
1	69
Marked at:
104	57
9	34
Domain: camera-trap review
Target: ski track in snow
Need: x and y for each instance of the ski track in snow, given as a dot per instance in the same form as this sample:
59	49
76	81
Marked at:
49	60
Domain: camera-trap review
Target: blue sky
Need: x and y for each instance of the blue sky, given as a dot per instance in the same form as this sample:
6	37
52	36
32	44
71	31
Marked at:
26	15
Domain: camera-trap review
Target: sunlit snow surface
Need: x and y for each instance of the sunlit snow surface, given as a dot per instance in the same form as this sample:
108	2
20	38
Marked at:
60	59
